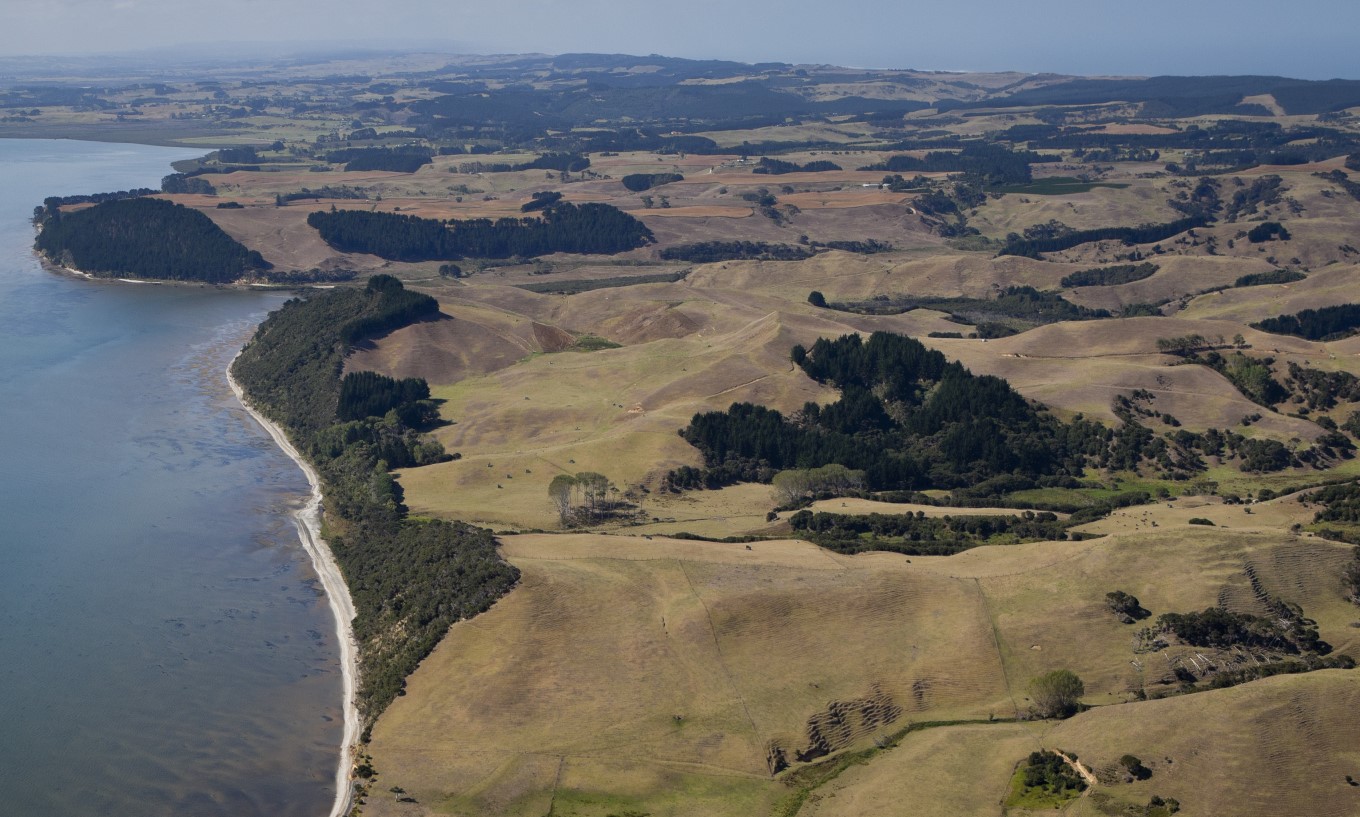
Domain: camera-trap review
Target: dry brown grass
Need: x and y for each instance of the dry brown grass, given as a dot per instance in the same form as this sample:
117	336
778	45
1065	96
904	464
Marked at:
606	641
585	666
1278	746
564	698
961	771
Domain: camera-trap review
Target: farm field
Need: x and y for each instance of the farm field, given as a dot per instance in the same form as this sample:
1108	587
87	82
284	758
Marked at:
557	686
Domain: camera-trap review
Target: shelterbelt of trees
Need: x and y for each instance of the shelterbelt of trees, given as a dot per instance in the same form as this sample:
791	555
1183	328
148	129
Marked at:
564	227
410	579
145	238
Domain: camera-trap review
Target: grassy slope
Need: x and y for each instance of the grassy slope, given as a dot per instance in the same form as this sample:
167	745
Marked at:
750	644
563	699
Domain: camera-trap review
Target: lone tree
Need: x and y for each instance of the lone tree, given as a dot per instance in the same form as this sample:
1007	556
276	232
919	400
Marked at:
1056	693
817	299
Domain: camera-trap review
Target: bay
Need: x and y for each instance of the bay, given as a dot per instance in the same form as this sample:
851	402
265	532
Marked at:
165	647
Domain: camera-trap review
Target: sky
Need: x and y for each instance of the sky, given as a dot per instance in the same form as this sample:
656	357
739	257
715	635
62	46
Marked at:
1311	39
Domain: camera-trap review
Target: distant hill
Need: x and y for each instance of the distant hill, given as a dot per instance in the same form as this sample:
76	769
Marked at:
1185	96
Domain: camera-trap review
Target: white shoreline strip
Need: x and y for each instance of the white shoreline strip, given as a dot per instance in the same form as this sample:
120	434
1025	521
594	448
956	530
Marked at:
308	523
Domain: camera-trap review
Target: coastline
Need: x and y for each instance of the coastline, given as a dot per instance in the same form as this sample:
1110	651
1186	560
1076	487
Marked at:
308	523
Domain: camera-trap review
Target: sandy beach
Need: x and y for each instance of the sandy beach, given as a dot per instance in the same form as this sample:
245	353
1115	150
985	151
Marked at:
308	522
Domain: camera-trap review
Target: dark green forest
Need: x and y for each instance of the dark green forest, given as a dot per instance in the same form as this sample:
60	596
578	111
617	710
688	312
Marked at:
707	252
1327	323
146	238
1110	276
564	227
907	417
410	579
397	160
637	182
778	167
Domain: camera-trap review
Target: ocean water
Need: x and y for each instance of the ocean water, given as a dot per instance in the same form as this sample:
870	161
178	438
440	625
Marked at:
165	648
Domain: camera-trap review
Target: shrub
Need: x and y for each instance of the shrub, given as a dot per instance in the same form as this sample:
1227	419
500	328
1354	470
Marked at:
1056	694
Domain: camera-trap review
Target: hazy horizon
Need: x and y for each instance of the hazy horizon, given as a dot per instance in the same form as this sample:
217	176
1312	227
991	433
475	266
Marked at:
1063	36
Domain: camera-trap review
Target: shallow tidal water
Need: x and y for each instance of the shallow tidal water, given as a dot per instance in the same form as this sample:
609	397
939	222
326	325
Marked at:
165	648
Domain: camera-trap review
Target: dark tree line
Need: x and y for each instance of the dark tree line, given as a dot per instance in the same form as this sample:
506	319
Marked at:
189	183
540	201
707	252
778	167
1110	276
563	162
410	579
397	160
992	164
146	238
1146	234
1022	303
917	534
564	227
1327	323
52	203
637	182
1275	276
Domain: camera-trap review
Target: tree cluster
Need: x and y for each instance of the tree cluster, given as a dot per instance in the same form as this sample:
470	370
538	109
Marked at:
1110	276
917	534
778	167
146	238
707	252
1275	276
1267	231
369	394
562	162
638	182
1146	234
540	201
1048	771
1287	632
794	485
564	227
583	498
52	204
396	160
1327	323
907	418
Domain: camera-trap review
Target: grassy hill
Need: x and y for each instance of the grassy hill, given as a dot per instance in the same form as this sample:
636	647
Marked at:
639	670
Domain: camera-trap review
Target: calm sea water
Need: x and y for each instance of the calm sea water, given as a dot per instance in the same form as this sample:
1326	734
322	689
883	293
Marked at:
165	648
